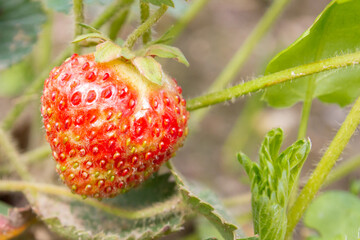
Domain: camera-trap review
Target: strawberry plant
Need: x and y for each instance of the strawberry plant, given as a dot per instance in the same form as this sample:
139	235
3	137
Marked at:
105	141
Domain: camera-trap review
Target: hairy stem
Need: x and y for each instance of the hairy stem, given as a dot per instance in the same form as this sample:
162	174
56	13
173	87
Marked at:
130	41
306	108
243	53
144	14
173	204
273	79
11	153
37	154
79	18
324	167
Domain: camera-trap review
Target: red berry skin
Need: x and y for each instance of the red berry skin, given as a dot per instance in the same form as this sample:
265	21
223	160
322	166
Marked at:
109	128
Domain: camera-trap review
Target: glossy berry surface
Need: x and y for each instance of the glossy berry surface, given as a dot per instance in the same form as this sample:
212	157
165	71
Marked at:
110	128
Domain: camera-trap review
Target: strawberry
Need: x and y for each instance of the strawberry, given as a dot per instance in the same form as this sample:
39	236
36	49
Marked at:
108	126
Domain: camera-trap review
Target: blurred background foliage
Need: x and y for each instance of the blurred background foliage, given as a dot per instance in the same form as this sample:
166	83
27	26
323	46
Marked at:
208	42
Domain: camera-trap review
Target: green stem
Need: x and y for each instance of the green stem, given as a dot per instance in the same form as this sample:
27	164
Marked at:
30	157
36	86
37	154
272	79
324	167
173	204
117	24
79	18
130	41
243	53
243	127
11	153
306	108
195	7
343	170
108	13
144	14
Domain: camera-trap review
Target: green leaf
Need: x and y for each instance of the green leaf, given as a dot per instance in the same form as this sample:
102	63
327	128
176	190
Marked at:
63	6
109	51
90	28
206	203
335	31
249	238
15	78
74	219
334	215
149	68
166	37
272	181
271	216
160	2
165	51
89	35
4	208
205	230
102	2
20	23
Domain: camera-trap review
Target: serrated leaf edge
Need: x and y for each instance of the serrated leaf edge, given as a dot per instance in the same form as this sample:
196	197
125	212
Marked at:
189	194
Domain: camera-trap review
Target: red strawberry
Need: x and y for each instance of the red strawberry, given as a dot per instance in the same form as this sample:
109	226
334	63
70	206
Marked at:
108	126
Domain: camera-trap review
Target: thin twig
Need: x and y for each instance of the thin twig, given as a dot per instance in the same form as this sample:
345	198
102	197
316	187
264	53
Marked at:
11	153
79	18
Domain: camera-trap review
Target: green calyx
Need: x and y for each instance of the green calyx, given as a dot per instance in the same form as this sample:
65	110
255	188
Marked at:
143	59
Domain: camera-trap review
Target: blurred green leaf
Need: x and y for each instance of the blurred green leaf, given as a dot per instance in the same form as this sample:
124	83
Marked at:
4	208
16	78
65	6
20	23
76	220
102	2
355	187
160	2
89	28
249	238
334	32
87	36
206	203
335	215
272	181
